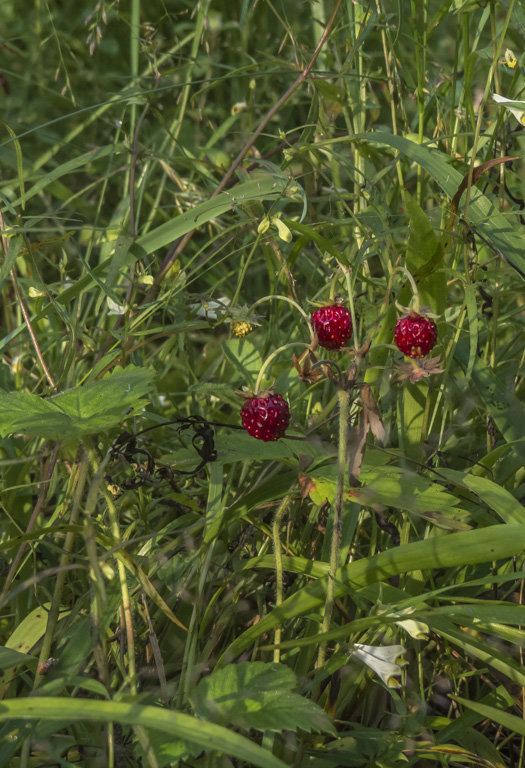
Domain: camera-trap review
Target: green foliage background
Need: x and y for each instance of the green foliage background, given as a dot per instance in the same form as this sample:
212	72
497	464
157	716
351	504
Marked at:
169	168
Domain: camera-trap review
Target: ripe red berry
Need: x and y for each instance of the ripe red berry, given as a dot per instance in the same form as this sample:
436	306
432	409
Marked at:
266	416
333	326
415	335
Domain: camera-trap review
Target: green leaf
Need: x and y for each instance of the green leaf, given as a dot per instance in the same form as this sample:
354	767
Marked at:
411	410
179	725
257	695
511	722
500	400
25	636
424	259
494	496
240	446
393	486
46	180
10	658
361	747
244	356
469	719
14	246
168	750
93	407
485	651
264	187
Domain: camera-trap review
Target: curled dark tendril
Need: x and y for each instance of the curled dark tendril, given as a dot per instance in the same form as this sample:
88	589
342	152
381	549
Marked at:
142	463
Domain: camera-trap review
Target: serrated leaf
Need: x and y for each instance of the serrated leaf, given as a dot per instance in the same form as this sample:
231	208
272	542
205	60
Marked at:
257	695
93	407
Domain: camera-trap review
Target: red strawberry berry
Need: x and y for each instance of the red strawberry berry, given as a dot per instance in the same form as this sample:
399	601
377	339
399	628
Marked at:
265	416
333	326
415	335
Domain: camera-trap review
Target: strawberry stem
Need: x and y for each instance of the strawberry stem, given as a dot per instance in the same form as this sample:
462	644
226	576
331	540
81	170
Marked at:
290	301
415	304
270	358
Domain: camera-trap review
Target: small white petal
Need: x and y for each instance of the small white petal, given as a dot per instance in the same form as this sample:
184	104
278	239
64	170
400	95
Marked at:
516	107
416	629
383	660
114	308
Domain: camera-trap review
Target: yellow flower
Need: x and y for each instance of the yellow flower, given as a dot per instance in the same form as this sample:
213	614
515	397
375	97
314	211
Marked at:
240	328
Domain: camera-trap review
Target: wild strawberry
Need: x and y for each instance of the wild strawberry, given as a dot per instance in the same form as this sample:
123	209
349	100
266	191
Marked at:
265	416
415	335
333	326
240	328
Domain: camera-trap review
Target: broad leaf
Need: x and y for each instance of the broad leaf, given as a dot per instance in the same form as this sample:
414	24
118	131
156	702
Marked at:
499	499
94	407
10	658
393	487
257	695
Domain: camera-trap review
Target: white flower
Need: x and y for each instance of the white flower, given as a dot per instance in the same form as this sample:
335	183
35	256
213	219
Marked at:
416	629
383	660
516	107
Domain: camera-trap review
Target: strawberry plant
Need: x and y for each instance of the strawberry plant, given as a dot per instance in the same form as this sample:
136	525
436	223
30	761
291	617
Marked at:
319	205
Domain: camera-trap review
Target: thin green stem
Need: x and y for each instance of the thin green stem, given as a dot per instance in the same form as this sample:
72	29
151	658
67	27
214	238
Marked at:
235	297
276	535
126	603
420	45
271	357
289	301
77	482
134	55
75	489
344	403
